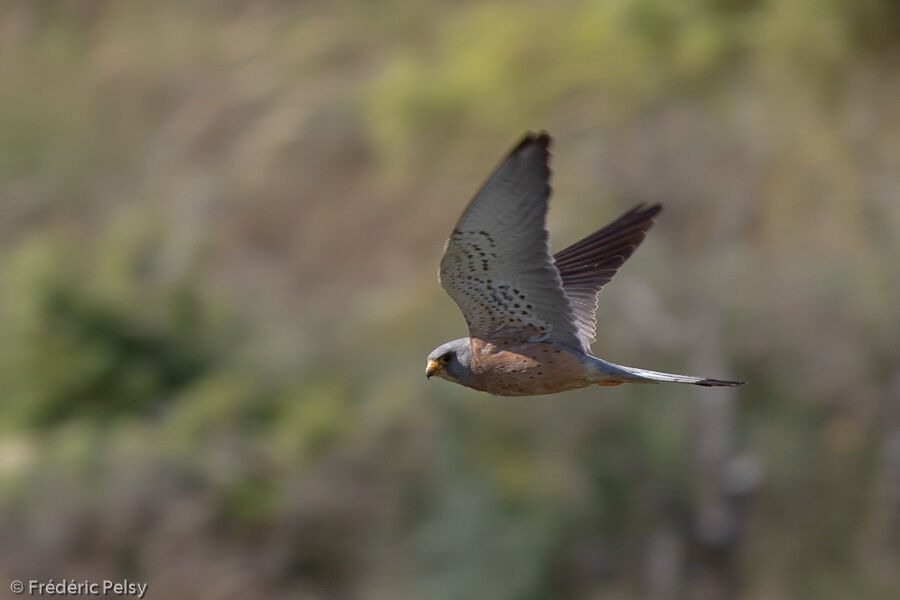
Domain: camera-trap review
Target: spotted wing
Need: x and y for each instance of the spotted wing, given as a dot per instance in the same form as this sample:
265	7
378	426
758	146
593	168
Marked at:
588	265
497	264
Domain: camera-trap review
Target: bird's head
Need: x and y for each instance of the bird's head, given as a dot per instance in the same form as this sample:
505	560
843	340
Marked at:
451	361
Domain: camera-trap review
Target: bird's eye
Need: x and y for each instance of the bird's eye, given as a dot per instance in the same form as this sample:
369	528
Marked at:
445	358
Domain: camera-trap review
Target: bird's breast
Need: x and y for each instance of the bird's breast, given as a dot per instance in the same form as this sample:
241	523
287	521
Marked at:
526	369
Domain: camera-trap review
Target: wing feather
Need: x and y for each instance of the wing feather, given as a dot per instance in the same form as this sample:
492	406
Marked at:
588	265
497	265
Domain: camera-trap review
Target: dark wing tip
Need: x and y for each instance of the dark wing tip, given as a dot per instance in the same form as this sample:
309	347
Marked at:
718	383
646	211
541	140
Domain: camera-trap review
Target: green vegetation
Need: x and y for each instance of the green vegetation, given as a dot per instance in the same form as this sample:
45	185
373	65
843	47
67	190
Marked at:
219	231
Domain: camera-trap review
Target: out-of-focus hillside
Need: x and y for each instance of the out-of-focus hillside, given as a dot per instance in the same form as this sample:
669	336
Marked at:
220	225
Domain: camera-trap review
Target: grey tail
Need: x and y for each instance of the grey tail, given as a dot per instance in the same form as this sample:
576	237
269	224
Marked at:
611	372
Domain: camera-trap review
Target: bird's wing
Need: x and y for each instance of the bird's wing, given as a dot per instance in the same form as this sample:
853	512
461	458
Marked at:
497	264
587	266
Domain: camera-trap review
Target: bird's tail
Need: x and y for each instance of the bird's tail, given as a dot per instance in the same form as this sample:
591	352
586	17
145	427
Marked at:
609	373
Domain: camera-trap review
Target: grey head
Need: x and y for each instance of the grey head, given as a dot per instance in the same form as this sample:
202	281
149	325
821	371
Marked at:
451	361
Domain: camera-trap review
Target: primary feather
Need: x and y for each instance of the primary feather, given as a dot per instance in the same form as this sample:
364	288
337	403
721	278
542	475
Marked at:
497	265
588	265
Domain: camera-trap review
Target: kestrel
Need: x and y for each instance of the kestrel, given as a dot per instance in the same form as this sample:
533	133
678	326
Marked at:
531	316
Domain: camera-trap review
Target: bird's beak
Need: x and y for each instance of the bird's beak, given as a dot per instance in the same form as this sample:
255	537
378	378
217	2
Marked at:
431	368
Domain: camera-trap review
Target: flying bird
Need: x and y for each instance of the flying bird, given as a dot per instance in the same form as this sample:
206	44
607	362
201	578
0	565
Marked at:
530	315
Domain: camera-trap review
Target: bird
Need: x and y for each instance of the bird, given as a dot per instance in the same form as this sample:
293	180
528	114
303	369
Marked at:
530	315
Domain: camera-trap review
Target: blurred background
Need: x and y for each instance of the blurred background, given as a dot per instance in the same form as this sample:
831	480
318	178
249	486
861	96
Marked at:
220	225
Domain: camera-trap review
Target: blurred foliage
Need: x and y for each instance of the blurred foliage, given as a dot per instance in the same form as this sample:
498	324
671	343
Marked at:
94	333
219	227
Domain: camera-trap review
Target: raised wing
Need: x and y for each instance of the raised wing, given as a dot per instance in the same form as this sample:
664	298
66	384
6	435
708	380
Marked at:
588	265
497	265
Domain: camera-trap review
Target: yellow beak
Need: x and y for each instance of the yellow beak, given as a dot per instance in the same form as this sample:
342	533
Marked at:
431	368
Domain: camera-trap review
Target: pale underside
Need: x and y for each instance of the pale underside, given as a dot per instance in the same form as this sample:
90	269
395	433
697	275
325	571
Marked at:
526	369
